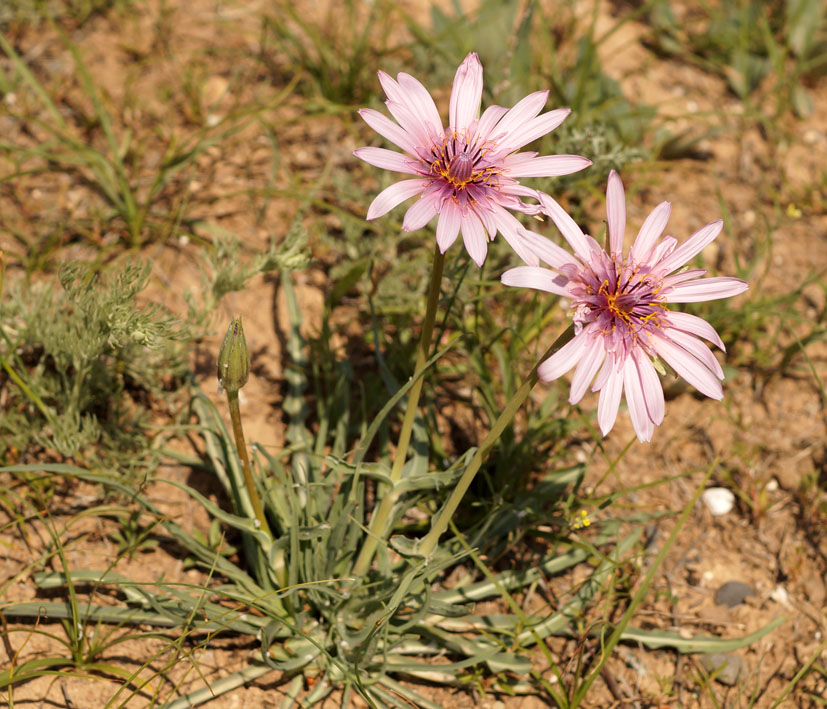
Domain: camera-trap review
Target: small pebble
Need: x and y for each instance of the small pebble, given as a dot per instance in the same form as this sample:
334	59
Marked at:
732	594
718	500
728	669
780	595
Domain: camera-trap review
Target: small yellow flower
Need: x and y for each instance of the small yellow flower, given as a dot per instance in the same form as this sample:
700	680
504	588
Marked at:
582	522
792	211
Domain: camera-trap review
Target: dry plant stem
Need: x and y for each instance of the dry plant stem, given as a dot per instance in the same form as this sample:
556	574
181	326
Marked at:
380	518
440	522
238	432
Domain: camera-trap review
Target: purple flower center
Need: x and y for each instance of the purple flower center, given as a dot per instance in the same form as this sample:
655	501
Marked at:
623	298
460	168
460	163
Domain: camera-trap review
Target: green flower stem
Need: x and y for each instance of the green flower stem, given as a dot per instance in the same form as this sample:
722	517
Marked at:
380	518
238	432
429	542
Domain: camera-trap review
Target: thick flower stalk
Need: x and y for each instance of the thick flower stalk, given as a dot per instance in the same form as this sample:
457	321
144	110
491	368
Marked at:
621	312
465	173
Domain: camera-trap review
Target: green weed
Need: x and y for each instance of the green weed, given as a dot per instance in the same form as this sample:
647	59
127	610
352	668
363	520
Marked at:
83	363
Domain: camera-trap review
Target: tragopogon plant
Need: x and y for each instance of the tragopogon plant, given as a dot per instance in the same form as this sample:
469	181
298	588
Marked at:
336	593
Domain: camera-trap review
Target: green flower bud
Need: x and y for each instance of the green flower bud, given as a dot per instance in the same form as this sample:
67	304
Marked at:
233	358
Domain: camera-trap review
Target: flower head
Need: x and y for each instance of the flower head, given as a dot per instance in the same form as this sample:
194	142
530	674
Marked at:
465	173
621	311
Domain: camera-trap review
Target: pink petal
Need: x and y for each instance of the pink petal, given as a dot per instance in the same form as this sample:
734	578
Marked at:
407	109
482	208
586	369
513	232
391	196
567	226
411	124
517	160
551	166
388	129
390	86
548	251
512	187
473	236
650	232
421	104
565	358
651	386
662	250
488	120
536	277
616	212
681	277
697	349
387	159
644	428
706	289
605	371
447	227
466	93
522	112
696	326
691	247
610	394
689	368
420	213
531	130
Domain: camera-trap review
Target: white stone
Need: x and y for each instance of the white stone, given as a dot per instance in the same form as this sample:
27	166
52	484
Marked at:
718	500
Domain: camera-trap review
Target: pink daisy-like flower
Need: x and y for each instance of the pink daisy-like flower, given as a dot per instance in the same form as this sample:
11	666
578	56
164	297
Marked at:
465	173
621	314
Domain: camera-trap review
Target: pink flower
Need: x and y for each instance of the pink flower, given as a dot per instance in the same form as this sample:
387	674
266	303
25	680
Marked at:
465	173
621	314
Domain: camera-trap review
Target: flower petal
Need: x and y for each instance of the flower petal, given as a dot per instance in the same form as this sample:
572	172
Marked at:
610	394
644	428
550	166
548	251
447	227
412	125
420	213
523	111
489	119
529	131
565	358
567	226
691	247
706	289
466	93
391	196
536	277
650	232
695	326
410	109
513	232
651	386
586	369
616	212
421	104
697	349
473	236
681	277
387	159
388	129
689	368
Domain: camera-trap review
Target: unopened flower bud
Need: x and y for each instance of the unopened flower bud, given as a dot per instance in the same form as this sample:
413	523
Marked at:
233	358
